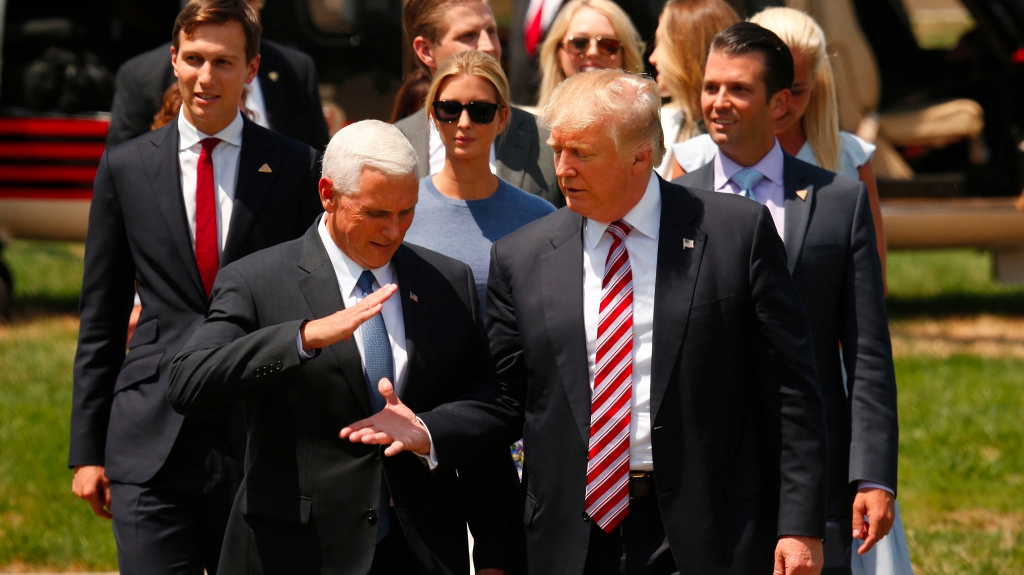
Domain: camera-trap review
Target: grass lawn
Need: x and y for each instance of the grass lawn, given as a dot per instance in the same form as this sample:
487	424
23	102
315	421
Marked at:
961	440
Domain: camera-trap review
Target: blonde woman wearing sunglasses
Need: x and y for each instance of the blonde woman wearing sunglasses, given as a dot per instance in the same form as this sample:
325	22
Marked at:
588	35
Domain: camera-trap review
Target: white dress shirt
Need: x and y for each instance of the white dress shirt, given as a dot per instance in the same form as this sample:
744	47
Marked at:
437	151
225	172
348	273
770	191
255	103
642	247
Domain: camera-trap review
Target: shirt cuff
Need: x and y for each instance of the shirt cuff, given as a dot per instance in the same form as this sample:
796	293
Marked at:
431	458
861	484
303	354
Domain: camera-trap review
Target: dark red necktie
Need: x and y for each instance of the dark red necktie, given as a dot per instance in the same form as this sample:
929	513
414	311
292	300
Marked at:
534	31
206	216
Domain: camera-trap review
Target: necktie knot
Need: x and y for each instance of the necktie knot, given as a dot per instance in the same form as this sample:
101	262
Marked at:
746	179
619	229
209	144
365	282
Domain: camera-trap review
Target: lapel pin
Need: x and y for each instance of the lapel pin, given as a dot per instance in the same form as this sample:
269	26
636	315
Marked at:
265	169
273	76
687	243
802	194
413	297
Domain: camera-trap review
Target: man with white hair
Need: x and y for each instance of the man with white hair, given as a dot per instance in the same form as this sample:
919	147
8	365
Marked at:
653	352
303	332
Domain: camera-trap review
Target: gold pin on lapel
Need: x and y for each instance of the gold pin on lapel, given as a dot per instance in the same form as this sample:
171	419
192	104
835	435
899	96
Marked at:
273	76
413	297
265	169
802	194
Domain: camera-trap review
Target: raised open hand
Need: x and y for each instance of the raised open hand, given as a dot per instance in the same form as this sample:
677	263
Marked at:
342	324
395	426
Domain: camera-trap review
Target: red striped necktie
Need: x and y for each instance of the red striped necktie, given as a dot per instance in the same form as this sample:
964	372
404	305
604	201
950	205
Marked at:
608	460
206	216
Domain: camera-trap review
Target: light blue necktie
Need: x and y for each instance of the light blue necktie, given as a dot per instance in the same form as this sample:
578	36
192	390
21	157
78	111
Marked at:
378	363
746	179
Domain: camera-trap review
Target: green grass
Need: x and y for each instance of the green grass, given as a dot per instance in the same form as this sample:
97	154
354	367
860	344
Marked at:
961	440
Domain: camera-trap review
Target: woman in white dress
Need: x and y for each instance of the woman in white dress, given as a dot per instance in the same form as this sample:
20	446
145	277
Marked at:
685	29
810	131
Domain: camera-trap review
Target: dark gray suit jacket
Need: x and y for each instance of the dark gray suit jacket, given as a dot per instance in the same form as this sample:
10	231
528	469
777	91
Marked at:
139	236
288	81
831	253
309	500
524	158
738	431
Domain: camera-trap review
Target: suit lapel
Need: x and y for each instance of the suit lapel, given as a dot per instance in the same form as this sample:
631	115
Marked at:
562	292
798	211
322	293
703	178
161	161
512	150
678	267
252	186
274	98
417	326
419	136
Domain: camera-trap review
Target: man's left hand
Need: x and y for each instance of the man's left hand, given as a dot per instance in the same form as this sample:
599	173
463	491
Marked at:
795	555
395	426
880	508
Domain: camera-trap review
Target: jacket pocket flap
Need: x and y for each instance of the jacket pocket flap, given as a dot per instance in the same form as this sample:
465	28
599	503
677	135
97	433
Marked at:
136	370
273	506
145	332
712	308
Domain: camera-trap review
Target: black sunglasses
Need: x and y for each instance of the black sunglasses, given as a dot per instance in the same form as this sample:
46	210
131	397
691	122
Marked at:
449	111
578	45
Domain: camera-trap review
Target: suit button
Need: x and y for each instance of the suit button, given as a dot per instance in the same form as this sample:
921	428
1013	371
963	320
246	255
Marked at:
371	517
586	518
278	366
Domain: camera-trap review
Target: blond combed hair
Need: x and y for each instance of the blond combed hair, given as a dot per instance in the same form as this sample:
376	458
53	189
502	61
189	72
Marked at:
633	45
687	28
628	105
469	63
821	119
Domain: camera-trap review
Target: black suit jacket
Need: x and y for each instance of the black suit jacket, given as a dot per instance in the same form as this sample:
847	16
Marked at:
738	429
831	252
288	80
309	501
524	158
139	236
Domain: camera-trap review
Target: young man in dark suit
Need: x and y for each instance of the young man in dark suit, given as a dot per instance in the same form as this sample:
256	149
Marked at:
284	93
651	348
303	333
826	224
438	29
169	209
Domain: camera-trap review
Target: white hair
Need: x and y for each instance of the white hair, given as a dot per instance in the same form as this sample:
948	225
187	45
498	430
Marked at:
367	145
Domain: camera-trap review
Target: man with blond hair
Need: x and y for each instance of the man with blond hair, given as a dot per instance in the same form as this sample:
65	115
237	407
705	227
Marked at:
651	348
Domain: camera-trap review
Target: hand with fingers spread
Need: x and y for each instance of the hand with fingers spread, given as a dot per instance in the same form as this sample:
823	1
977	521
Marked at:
795	555
880	508
395	426
342	324
91	484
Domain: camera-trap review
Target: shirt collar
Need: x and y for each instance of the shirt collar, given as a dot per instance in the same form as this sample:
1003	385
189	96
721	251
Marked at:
645	217
770	167
348	271
189	135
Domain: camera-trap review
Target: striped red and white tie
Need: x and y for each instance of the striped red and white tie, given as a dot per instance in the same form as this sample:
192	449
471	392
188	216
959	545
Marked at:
608	460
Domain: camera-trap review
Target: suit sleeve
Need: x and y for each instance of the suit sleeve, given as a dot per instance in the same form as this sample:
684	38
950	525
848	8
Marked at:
788	384
130	113
229	356
867	356
107	294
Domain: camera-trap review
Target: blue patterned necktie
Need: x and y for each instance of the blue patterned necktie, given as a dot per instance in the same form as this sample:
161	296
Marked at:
746	179
378	363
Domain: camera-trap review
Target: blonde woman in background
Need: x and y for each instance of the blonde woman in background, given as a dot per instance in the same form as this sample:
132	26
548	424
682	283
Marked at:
685	29
588	35
809	130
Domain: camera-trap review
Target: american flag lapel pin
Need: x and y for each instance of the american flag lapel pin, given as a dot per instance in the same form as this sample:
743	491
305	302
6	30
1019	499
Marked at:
687	243
413	297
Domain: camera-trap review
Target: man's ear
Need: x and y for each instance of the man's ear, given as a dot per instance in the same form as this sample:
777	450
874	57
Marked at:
327	196
424	50
174	61
641	159
779	103
253	69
